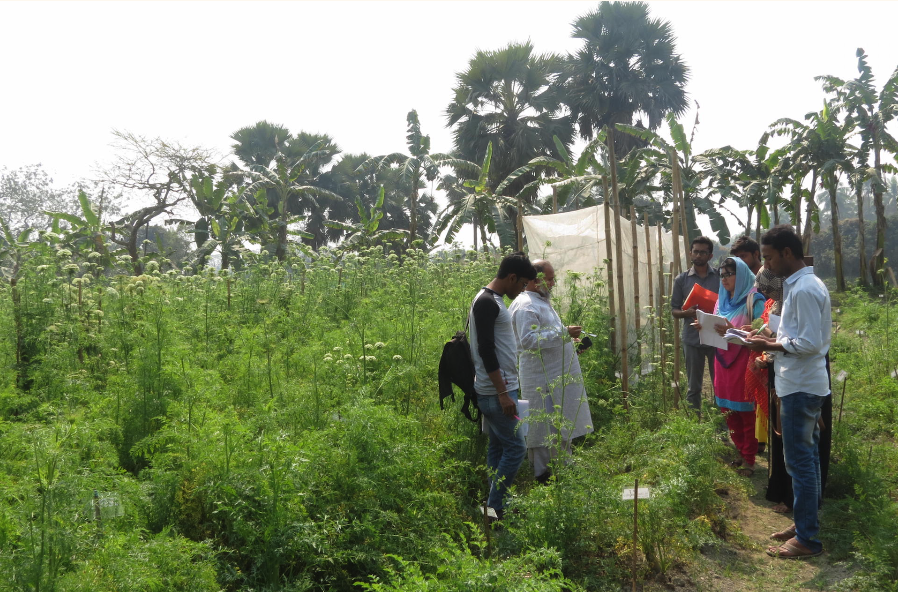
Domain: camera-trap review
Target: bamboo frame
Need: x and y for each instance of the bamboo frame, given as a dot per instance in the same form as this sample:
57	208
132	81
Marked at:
637	320
660	311
622	309
609	274
651	297
675	269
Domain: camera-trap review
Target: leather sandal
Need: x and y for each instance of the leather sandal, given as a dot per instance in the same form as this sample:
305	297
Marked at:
784	535
747	471
781	509
792	549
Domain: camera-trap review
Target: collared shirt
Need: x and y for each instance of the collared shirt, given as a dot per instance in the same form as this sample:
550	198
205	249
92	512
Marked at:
804	332
682	286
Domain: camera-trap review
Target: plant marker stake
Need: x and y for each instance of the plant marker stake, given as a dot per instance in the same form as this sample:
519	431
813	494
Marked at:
842	400
635	526
97	517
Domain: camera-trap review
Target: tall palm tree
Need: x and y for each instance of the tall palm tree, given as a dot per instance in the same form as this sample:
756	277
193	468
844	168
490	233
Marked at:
506	98
627	67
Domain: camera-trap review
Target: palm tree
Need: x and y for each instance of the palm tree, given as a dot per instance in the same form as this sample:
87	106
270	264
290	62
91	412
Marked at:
627	66
506	98
416	166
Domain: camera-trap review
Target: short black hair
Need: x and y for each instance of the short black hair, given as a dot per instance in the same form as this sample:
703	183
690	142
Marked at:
745	244
782	237
704	240
518	264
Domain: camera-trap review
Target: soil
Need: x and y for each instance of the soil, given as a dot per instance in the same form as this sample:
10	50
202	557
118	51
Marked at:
741	563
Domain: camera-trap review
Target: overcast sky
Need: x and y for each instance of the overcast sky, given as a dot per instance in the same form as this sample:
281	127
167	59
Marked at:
196	72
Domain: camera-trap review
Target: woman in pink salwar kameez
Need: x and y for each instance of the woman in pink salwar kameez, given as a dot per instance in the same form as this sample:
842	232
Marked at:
737	293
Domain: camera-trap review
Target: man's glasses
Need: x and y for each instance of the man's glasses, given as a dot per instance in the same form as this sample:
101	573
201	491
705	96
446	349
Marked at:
701	253
725	274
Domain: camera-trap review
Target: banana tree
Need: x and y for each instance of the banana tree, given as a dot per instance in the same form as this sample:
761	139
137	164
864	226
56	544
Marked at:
572	181
415	167
471	201
276	193
871	112
661	156
365	233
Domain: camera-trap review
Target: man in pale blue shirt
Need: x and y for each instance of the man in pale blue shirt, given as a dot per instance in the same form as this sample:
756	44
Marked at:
802	383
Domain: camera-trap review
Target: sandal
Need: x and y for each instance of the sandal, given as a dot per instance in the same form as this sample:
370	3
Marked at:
736	463
784	535
746	471
781	509
792	549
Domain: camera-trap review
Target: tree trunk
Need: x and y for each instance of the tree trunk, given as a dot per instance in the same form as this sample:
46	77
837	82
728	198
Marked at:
837	237
474	225
812	206
861	238
879	207
413	212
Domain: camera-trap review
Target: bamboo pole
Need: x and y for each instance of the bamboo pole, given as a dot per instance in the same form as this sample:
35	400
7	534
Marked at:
660	311
609	274
520	225
675	269
622	309
684	225
650	301
635	235
635	528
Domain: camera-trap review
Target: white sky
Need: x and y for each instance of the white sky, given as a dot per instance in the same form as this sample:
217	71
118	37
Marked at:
197	71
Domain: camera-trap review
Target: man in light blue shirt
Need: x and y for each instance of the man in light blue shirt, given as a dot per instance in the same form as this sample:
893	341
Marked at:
802	383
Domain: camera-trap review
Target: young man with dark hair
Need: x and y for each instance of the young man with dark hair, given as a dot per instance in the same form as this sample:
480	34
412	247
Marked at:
695	353
802	383
494	352
748	249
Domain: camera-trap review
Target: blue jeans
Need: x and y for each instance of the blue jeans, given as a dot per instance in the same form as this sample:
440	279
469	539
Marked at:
801	437
506	449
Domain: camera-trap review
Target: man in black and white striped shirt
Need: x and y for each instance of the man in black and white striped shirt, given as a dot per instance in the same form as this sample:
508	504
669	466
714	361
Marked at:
494	351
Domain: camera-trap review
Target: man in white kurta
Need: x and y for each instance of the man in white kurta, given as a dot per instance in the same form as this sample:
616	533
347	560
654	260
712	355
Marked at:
549	374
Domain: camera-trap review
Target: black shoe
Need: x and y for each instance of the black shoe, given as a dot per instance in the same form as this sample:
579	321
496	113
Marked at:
544	478
762	446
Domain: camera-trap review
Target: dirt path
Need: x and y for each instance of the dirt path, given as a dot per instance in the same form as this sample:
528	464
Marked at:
741	564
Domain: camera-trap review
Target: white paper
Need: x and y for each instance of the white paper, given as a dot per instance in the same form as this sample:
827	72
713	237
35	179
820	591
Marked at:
736	336
644	493
708	335
774	323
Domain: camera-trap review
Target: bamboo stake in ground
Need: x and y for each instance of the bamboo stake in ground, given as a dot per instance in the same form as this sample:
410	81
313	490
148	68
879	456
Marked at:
675	269
660	313
651	272
636	317
609	274
622	309
635	526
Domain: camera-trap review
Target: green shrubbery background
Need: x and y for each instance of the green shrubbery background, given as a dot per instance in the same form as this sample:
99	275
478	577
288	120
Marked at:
278	428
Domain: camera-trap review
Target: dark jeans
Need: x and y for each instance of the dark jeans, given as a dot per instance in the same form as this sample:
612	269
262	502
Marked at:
695	358
801	439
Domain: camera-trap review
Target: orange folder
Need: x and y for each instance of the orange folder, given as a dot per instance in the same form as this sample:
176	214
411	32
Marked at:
704	298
